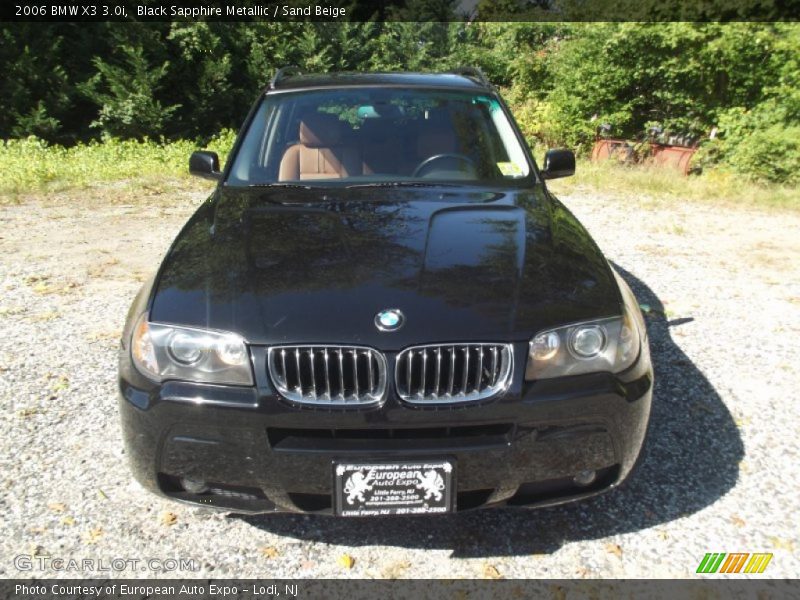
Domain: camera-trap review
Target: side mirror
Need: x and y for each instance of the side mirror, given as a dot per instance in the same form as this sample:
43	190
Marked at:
205	164
558	163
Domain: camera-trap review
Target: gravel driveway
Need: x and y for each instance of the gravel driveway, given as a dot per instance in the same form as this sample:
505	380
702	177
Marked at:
720	472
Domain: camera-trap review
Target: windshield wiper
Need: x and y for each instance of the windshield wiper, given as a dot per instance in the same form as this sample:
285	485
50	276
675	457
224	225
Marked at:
281	185
401	184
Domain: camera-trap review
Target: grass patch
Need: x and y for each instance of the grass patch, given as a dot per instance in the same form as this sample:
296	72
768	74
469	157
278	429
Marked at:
147	167
663	185
31	165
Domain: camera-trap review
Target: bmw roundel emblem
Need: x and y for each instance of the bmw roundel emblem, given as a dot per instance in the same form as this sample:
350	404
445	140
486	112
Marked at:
390	319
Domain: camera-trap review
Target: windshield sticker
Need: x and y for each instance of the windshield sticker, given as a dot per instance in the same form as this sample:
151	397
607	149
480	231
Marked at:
510	169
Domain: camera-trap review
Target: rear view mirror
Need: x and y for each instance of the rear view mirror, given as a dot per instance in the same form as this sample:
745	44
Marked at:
558	163
205	164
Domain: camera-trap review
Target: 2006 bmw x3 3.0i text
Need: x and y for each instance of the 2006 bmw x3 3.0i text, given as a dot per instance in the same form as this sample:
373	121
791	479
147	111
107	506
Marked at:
382	310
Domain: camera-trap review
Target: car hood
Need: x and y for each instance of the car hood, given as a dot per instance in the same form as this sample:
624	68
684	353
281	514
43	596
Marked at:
307	266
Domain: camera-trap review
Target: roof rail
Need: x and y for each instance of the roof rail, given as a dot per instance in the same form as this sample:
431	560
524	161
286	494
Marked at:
283	72
473	72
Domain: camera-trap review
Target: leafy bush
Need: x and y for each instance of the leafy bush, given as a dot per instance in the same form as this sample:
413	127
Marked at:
677	74
757	143
762	141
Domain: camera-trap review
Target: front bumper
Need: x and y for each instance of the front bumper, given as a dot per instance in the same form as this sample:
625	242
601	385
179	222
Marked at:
260	453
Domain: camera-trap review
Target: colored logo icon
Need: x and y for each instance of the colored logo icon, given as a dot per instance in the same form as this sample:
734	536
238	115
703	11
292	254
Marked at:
735	562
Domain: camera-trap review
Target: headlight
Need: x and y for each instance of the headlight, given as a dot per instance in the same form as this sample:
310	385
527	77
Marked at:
604	345
172	352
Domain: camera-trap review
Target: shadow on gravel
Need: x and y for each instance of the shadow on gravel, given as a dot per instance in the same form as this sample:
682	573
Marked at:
690	460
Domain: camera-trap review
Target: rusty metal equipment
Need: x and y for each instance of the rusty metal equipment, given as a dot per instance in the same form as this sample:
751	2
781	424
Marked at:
677	157
649	151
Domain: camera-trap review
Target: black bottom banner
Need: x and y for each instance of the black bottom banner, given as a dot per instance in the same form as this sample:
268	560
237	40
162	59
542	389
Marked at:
438	589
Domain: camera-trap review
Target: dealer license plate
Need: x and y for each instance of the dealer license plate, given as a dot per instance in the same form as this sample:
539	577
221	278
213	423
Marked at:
394	488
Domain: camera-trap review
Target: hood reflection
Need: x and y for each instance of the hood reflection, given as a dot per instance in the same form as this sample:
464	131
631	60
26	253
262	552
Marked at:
460	265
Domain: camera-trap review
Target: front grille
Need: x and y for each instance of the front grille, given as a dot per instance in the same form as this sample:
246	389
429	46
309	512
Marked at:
328	375
453	373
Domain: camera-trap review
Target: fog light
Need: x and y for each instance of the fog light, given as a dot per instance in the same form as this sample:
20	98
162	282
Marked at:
193	486
584	478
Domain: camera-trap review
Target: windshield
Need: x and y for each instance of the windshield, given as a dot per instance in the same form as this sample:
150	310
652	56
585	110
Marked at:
379	136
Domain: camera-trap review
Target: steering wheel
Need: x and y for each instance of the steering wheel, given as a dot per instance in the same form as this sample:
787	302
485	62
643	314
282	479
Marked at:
446	156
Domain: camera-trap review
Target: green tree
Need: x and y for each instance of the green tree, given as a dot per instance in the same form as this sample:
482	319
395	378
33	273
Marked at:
127	93
34	87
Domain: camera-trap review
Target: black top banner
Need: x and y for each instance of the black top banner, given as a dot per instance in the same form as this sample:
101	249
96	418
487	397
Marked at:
400	10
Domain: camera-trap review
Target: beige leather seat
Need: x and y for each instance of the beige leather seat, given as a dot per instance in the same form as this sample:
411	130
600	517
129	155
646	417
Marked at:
322	152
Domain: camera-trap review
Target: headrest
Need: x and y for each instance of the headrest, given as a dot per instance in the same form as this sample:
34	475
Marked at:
436	141
436	135
375	130
320	130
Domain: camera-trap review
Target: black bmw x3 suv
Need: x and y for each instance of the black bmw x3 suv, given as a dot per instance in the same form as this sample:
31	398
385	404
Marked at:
381	310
